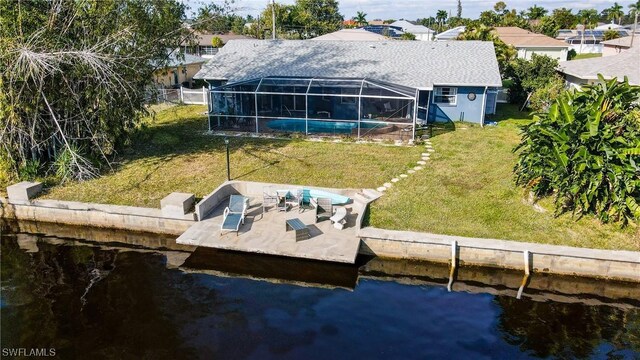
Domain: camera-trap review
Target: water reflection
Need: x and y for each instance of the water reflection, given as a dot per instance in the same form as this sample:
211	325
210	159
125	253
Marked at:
112	302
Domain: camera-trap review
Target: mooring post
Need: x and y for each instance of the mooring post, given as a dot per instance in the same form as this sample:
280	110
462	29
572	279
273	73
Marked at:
527	273
454	250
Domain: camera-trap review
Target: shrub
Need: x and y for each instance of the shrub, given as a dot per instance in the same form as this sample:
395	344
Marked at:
542	98
586	151
529	75
29	170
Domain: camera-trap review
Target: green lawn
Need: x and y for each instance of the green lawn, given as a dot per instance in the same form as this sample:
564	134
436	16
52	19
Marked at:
586	56
467	189
176	155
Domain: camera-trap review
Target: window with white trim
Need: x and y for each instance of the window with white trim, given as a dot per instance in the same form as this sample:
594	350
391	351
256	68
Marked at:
446	95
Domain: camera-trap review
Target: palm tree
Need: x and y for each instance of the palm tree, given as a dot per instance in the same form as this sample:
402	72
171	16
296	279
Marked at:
615	12
536	12
361	18
441	17
635	6
588	17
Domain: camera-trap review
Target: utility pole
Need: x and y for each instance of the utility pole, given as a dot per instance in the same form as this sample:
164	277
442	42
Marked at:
273	19
635	28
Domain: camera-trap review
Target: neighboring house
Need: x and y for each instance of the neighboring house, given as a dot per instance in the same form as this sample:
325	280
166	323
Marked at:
589	41
451	34
204	47
389	31
421	32
528	43
616	46
353	88
178	72
585	71
352	35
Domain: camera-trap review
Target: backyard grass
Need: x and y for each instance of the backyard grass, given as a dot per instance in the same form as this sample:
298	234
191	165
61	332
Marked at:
175	154
467	189
586	56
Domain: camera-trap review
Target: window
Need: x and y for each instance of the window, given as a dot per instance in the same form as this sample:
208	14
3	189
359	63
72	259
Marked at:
446	95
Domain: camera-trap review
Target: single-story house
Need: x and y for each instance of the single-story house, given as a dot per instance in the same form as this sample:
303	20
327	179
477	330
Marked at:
203	44
528	43
421	32
616	46
585	71
352	35
353	88
178	72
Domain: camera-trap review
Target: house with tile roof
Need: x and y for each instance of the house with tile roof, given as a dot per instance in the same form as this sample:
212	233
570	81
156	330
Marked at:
528	43
354	88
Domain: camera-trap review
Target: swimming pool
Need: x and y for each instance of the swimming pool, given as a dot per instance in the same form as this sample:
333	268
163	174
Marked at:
318	126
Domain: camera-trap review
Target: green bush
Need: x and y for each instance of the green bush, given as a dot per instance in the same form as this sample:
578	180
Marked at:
586	151
29	170
529	75
542	98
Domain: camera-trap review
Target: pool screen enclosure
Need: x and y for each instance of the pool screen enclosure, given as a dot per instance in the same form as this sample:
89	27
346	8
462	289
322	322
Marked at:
358	108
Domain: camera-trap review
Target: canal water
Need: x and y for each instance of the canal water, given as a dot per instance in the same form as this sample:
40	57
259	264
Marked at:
103	300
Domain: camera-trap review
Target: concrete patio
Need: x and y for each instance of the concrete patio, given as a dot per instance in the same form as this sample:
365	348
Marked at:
265	233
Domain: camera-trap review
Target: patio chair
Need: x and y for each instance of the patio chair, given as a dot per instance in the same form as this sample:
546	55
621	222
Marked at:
324	207
234	214
338	218
269	198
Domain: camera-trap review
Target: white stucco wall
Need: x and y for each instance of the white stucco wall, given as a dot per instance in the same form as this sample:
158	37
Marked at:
553	52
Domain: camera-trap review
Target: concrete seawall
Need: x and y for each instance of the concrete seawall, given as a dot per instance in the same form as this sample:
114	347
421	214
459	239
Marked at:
95	215
539	258
564	260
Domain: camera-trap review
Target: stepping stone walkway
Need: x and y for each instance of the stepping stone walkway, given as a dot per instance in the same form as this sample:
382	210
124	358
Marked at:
425	156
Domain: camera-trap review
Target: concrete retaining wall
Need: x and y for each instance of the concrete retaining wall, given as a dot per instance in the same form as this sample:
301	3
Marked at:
565	260
97	215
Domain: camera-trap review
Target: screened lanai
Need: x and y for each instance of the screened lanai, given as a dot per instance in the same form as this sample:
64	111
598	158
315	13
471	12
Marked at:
356	108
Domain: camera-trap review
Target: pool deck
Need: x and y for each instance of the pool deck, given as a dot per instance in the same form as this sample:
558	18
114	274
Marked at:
265	233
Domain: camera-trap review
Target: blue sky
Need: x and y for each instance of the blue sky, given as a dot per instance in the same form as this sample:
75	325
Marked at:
412	9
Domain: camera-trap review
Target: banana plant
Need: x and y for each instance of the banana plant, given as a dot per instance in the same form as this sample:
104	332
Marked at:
585	151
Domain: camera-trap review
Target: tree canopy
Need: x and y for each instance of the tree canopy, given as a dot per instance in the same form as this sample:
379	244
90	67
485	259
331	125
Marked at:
74	75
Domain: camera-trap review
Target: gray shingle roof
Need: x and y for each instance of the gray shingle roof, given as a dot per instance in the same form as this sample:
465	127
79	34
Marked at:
626	63
416	64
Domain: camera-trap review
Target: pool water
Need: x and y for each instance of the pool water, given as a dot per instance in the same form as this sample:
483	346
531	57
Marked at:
318	126
108	302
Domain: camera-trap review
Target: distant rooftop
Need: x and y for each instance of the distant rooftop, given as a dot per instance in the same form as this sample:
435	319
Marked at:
352	35
624	64
518	37
415	64
622	42
451	34
409	27
204	39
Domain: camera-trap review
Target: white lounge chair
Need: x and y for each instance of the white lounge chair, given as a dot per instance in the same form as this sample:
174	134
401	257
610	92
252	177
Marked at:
234	214
338	218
